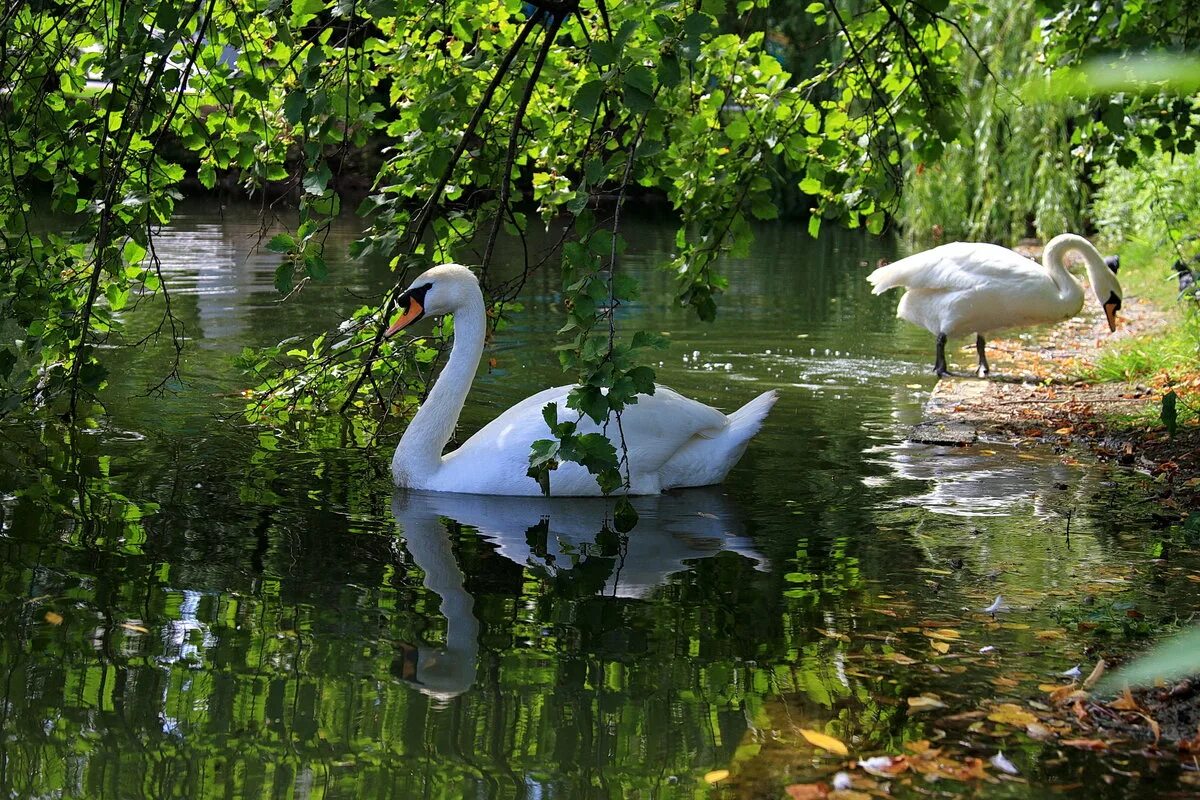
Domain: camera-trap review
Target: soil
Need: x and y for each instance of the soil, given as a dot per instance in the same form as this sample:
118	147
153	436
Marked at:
1034	395
1160	715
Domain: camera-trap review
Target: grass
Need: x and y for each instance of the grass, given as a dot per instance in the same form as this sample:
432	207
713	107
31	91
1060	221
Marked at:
1172	355
1168	360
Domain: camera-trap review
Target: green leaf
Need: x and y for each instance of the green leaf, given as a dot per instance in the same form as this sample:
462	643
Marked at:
591	401
814	225
811	186
92	375
648	339
316	267
625	518
7	360
294	105
604	53
317	179
639	89
283	276
1169	412
738	129
643	379
587	98
875	223
207	176
543	451
550	414
117	296
281	243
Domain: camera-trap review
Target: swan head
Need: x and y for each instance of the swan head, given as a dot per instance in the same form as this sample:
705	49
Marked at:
439	290
1108	292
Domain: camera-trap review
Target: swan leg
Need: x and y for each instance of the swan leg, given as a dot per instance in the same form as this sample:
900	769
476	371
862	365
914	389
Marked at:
982	370
939	363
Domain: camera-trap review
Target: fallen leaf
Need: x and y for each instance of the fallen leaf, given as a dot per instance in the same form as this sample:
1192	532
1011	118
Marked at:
129	626
1038	731
53	618
824	741
1153	723
716	776
901	659
1012	714
1085	744
944	633
925	702
808	791
1097	671
1126	702
1054	633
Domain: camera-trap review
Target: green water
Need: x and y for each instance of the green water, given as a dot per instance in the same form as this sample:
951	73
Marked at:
191	609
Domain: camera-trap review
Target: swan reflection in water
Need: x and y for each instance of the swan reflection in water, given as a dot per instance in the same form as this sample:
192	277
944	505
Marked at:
673	528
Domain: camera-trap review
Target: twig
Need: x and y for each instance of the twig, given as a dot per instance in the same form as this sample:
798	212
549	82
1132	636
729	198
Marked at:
426	213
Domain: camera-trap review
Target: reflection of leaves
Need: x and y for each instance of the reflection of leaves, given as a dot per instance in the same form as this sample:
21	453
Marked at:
824	741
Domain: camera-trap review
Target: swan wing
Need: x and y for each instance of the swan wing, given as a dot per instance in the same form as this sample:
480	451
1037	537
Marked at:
957	267
655	428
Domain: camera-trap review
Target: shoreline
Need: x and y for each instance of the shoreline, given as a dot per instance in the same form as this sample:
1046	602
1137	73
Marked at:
1035	396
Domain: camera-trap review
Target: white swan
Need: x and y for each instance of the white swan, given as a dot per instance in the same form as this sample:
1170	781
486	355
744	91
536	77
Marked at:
673	442
969	287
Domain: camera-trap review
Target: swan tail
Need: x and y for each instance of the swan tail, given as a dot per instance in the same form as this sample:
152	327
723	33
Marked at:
705	461
747	420
890	276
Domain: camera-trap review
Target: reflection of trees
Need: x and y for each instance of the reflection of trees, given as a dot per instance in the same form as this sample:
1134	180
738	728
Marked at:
250	636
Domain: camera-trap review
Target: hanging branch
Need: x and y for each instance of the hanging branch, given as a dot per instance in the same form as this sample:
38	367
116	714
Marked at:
115	177
612	276
514	140
425	215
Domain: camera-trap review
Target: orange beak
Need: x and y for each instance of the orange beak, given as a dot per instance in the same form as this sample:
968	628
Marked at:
1110	311
410	315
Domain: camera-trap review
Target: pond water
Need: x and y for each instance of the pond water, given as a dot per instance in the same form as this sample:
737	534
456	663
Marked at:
192	608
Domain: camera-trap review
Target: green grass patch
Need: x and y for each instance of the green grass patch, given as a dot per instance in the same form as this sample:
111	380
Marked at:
1173	354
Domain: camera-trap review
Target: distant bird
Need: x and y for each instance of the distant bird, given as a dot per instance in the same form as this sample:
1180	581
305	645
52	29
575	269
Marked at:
972	287
1187	280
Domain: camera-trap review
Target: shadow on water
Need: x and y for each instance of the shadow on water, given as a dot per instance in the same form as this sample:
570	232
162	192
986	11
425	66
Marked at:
189	608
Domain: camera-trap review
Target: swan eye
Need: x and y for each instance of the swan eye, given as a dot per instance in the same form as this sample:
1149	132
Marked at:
413	303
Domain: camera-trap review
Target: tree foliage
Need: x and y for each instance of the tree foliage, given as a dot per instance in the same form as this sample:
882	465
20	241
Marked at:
491	118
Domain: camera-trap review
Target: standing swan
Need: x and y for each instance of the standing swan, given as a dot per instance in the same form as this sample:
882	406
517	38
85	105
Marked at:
672	441
968	287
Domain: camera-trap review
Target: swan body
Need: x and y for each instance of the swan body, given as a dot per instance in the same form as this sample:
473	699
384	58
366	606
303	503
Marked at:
970	287
673	441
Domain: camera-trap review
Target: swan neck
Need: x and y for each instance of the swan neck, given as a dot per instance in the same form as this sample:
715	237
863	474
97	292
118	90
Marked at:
1054	259
420	449
1099	275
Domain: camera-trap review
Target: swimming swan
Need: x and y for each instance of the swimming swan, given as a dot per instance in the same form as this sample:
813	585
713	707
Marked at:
970	287
672	441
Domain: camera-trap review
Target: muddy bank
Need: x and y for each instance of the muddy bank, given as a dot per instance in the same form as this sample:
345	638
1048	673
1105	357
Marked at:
1035	396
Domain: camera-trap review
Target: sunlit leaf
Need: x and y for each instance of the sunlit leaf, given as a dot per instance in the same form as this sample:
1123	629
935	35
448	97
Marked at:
824	741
